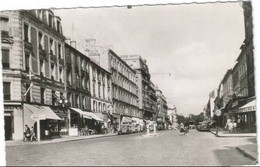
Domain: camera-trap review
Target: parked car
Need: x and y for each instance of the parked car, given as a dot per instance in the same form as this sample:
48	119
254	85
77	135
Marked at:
192	125
203	126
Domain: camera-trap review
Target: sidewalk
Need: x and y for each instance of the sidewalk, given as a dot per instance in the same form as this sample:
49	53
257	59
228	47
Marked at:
222	133
249	151
57	140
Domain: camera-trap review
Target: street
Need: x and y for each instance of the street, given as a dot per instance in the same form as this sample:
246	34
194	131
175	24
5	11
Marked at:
169	148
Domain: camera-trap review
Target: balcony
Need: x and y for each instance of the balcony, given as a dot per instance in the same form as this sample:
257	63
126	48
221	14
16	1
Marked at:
6	38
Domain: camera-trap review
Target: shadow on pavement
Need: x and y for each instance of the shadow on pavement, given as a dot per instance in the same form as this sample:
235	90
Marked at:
231	156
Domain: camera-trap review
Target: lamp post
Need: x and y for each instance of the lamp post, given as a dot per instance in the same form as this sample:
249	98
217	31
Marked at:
64	103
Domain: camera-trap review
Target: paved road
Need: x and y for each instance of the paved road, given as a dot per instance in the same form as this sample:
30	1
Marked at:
170	148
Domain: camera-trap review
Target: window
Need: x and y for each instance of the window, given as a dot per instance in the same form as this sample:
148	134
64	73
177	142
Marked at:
42	95
40	38
51	47
58	26
28	95
61	75
42	68
59	51
53	97
50	20
4	26
26	32
52	71
27	62
5	58
69	77
7	90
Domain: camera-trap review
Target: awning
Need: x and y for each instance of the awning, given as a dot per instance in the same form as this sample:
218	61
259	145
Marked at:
248	107
116	116
126	120
41	110
102	116
83	113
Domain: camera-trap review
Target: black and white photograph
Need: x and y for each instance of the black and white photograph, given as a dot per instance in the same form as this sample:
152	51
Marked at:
132	84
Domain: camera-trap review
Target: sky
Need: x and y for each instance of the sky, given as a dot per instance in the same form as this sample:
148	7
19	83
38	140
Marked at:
188	47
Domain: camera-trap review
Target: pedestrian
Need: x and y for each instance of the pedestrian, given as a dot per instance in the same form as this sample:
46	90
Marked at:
238	122
234	127
27	133
33	136
230	126
182	130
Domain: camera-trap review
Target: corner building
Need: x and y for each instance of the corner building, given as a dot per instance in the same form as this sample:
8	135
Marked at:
146	90
32	47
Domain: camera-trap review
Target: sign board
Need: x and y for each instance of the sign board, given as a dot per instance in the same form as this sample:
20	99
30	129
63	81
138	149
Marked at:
38	117
218	113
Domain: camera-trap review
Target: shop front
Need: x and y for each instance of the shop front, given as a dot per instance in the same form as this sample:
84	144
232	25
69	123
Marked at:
48	120
84	123
245	116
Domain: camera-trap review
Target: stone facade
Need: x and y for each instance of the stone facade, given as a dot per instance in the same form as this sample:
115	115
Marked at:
25	37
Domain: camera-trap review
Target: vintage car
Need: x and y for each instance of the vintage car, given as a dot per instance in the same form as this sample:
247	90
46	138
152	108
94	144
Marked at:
203	126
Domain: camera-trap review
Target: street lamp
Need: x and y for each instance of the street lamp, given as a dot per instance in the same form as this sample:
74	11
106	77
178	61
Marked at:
64	103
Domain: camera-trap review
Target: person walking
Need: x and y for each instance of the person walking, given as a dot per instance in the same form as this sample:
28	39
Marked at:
234	127
182	130
27	133
33	136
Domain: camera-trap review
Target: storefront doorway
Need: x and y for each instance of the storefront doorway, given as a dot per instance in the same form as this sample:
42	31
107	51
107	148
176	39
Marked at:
8	126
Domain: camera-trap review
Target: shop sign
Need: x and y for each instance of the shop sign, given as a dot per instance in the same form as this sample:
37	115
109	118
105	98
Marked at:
247	109
38	117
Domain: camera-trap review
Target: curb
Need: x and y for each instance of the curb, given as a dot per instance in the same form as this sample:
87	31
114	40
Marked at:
246	154
63	141
230	135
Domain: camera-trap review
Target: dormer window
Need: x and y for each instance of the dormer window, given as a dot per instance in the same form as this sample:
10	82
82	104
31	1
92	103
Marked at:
58	26
50	20
39	14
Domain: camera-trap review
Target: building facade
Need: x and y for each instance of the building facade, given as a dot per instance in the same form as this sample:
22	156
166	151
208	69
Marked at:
144	85
32	47
124	87
77	86
161	106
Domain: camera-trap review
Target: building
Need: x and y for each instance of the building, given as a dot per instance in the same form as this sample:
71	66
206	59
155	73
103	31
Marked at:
152	103
77	88
162	107
124	87
101	92
172	114
212	97
248	47
32	45
143	83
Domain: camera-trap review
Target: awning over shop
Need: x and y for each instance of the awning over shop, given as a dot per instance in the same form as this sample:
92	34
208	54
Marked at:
126	120
102	116
248	107
116	116
83	113
41	110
